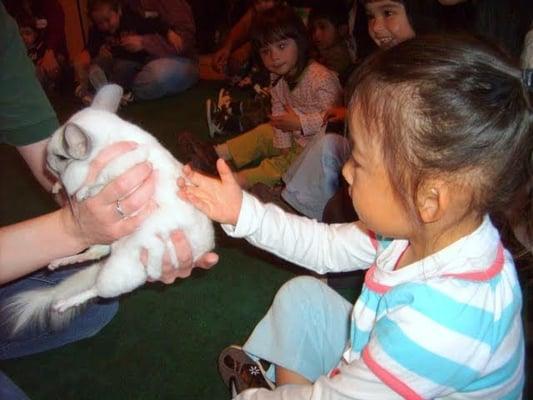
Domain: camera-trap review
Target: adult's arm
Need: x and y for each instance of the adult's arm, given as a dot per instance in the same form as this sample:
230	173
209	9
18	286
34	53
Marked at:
240	33
26	117
28	245
34	155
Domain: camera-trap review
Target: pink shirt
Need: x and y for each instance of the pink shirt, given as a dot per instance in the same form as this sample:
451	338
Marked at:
318	90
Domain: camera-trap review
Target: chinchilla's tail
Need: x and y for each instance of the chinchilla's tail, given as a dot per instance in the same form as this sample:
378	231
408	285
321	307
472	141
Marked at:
35	307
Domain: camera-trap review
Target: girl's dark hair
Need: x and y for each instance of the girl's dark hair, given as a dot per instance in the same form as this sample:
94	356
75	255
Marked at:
92	5
455	107
279	23
423	15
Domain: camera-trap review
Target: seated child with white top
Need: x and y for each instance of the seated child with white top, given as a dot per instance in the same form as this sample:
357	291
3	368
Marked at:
441	136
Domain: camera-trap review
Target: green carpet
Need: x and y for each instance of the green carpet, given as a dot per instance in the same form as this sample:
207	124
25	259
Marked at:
165	340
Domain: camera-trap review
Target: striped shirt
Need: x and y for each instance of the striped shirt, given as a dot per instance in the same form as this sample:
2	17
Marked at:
447	326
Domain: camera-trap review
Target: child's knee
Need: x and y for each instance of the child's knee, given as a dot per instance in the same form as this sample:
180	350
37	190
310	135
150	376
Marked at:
295	293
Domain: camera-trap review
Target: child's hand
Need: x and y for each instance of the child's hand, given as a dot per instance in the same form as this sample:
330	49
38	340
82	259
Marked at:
220	200
105	51
49	64
220	59
335	114
289	121
132	43
175	40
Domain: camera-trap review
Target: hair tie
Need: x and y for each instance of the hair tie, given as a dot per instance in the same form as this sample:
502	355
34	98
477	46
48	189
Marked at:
527	78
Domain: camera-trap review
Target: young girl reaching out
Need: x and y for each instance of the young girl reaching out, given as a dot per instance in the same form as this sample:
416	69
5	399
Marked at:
301	90
444	137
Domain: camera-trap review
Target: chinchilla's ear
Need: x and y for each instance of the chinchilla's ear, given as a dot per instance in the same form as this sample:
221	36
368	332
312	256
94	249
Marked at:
107	98
76	141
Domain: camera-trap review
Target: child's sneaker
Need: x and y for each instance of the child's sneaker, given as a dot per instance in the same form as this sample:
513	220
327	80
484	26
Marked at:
213	121
240	372
82	92
97	77
127	98
221	118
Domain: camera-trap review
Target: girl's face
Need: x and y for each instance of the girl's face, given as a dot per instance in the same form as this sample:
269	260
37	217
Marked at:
324	34
106	19
370	188
280	57
28	35
388	24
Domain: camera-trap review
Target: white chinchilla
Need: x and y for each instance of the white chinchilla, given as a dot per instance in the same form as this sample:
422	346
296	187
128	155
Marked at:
70	152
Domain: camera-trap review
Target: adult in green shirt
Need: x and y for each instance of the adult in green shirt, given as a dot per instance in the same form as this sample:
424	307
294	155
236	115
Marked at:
26	121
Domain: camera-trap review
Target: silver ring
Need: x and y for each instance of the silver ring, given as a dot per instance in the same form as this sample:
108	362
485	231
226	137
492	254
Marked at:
119	210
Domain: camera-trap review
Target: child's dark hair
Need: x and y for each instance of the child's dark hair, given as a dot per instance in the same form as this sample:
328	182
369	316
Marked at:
333	11
92	5
422	14
279	23
454	107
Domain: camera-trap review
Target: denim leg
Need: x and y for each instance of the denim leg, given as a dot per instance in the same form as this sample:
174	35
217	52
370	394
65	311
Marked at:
10	391
165	76
123	72
33	340
305	330
314	176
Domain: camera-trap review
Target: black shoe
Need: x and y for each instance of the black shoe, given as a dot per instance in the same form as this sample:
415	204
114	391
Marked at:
203	156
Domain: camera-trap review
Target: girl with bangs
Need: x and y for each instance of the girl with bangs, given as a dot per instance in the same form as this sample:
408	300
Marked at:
302	91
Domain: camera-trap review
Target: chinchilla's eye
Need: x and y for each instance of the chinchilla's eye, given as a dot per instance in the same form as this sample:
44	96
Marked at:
61	157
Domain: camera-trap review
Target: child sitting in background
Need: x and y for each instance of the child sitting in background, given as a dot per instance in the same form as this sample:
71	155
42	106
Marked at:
115	51
31	38
439	313
42	28
328	25
302	91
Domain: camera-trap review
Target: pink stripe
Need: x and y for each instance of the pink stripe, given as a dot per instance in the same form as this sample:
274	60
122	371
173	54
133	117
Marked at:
373	240
372	284
388	379
494	269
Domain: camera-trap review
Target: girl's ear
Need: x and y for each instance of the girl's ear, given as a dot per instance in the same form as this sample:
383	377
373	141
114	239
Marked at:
433	199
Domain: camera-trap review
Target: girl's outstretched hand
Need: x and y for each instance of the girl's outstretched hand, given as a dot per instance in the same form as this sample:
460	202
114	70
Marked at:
219	199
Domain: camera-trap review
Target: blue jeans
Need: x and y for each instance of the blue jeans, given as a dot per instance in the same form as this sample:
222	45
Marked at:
314	176
34	340
305	330
165	76
155	79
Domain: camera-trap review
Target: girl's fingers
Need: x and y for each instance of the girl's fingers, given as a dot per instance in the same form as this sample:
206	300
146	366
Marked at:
188	195
127	182
196	178
225	172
